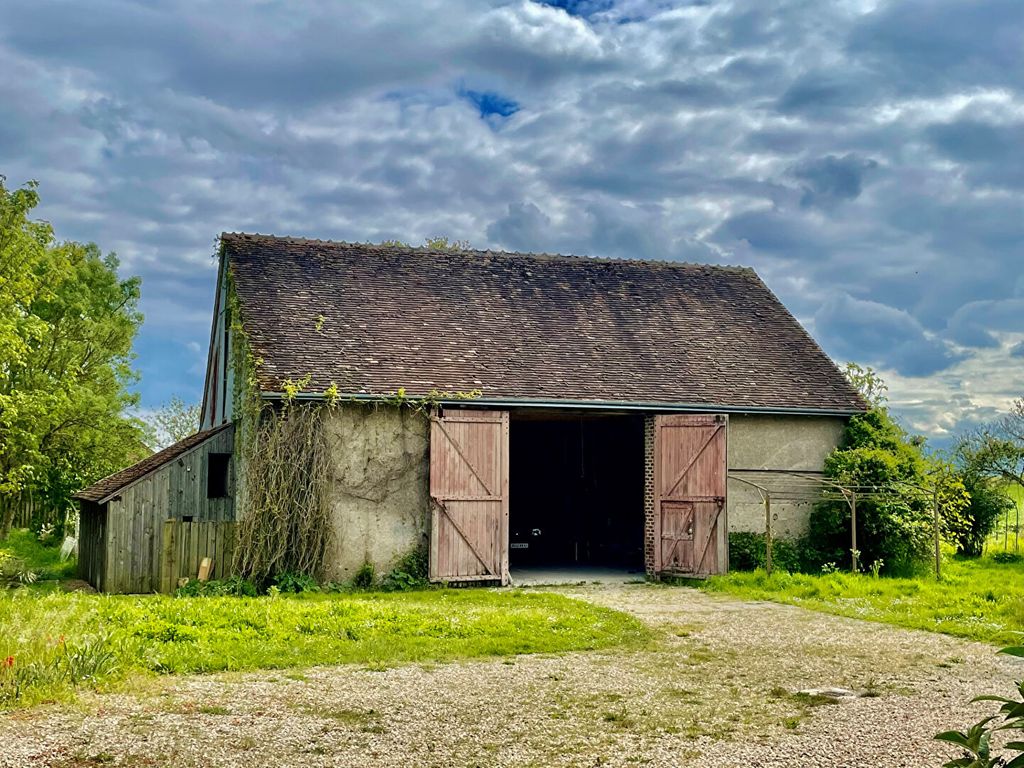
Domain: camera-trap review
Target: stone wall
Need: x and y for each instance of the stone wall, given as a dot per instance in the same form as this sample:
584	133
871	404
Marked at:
798	443
379	487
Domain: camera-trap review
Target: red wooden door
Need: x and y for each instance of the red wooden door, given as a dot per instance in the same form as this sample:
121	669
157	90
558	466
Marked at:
469	496
690	471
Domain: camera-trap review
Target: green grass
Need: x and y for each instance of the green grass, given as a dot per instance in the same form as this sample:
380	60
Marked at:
980	599
1003	538
60	641
43	559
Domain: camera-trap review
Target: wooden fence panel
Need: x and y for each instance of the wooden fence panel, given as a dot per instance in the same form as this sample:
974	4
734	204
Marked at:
27	506
185	544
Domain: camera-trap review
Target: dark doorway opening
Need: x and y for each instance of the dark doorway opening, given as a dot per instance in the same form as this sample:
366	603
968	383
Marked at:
576	492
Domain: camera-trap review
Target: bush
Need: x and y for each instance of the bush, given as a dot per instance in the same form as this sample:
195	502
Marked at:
234	586
295	583
409	572
969	529
748	551
13	571
364	577
1006	557
894	524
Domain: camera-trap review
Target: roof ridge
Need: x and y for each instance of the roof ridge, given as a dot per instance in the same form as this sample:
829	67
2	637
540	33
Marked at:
491	253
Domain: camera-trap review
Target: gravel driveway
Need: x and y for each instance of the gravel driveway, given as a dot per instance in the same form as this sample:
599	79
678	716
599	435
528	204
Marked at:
719	687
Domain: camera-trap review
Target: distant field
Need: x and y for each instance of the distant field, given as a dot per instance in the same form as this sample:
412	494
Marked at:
1002	537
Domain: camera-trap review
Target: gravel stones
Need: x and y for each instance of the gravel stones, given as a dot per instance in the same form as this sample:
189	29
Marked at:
719	687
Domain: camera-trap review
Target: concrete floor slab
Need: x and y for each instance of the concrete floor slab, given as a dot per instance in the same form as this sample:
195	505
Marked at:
548	576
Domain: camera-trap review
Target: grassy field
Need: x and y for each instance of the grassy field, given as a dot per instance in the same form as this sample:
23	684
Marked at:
44	560
1002	538
981	599
54	642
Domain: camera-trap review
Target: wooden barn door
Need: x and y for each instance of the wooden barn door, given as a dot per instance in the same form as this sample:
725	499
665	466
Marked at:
469	496
690	470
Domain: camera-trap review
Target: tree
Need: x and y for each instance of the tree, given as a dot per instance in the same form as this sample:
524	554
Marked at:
997	450
870	385
992	459
67	323
174	421
897	487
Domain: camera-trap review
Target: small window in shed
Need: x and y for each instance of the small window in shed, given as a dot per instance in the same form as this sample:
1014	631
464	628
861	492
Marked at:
217	475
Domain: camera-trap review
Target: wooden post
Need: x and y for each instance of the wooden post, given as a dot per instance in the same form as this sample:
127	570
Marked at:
935	512
768	532
853	529
169	557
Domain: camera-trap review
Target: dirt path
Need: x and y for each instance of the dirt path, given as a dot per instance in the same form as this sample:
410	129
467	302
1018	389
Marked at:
716	690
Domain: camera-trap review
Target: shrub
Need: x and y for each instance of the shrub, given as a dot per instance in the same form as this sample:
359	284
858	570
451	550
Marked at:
13	571
894	523
232	586
976	741
364	577
1006	557
410	572
748	551
295	583
969	529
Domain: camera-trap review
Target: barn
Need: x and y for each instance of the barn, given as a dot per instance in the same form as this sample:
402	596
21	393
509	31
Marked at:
584	414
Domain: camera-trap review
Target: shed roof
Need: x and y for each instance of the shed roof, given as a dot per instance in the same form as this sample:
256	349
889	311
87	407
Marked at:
524	327
103	489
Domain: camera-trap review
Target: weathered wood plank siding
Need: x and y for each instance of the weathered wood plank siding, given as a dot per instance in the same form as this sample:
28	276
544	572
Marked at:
92	548
184	545
129	528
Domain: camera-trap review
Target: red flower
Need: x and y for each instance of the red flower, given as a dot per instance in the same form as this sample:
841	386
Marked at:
9	662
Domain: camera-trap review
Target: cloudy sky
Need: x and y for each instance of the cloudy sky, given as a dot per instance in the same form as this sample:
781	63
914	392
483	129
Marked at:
867	158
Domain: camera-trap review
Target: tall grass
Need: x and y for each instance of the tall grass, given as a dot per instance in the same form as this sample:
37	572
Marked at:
43	559
1007	534
980	599
56	641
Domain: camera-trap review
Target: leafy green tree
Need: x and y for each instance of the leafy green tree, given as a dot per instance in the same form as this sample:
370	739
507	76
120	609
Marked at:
174	421
992	460
870	385
896	485
997	450
67	322
969	529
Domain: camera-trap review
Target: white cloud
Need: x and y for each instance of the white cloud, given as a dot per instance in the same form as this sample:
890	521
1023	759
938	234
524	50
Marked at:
799	139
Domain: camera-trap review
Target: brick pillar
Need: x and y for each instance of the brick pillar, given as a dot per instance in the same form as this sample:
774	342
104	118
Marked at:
649	542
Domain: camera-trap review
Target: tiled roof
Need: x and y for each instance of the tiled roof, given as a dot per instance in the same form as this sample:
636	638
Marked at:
373	319
111	484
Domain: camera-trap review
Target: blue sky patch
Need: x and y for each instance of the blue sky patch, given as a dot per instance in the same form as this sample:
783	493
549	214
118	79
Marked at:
490	103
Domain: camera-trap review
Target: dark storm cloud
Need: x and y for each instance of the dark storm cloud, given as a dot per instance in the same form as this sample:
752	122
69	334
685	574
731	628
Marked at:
830	180
880	335
865	160
938	46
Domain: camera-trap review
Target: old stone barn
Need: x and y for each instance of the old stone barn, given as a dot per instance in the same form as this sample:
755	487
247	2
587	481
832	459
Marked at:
572	412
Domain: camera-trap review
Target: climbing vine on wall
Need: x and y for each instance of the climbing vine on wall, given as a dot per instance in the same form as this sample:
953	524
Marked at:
285	527
284	462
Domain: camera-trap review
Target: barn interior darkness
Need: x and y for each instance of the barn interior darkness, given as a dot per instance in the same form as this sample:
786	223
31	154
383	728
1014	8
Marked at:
576	492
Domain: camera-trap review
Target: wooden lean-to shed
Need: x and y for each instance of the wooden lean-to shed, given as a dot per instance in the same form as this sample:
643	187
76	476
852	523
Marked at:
148	526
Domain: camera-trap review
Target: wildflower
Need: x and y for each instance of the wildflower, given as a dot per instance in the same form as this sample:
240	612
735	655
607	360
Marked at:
9	662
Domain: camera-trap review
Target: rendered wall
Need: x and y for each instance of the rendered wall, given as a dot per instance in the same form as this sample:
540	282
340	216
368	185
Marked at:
379	490
771	443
